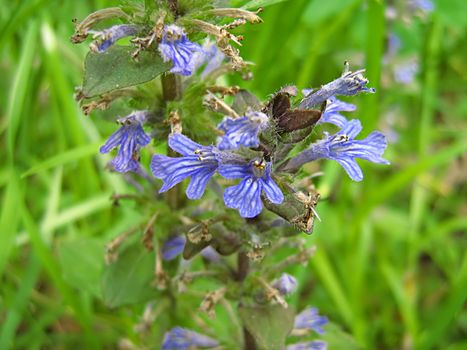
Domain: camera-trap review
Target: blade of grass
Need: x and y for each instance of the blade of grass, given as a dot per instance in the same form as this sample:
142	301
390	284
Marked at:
80	210
68	156
404	301
16	309
20	87
52	205
418	203
330	280
9	218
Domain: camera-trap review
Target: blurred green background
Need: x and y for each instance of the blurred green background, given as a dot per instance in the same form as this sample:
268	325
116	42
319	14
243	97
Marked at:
391	267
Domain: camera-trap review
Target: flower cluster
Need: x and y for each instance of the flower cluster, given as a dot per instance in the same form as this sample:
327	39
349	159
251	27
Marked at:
201	162
231	158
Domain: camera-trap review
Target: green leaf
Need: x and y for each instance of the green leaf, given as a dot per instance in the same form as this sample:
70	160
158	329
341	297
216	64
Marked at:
269	325
128	279
81	263
116	69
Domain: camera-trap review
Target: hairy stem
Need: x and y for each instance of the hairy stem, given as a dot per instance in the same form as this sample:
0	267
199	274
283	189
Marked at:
172	91
173	7
243	266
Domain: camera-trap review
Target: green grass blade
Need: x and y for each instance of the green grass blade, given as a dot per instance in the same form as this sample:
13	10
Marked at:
20	87
68	156
15	311
9	217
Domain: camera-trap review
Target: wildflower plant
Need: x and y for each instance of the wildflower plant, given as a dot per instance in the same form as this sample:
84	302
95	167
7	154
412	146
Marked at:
241	202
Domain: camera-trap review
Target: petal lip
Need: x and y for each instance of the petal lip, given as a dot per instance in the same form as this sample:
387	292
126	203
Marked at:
272	191
245	197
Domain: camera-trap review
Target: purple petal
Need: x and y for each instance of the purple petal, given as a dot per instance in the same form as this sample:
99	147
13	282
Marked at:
113	141
198	183
272	191
351	167
183	145
351	129
173	247
245	197
371	148
174	170
179	338
235	171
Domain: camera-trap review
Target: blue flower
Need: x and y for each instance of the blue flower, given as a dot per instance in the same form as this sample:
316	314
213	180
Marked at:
331	113
246	196
348	84
310	319
242	131
404	73
107	37
173	247
175	47
342	148
179	338
130	137
312	345
286	284
198	162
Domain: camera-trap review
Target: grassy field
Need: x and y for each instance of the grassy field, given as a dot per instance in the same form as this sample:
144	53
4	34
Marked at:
390	267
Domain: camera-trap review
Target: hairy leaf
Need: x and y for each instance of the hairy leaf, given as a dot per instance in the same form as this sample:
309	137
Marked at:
128	279
116	69
269	325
